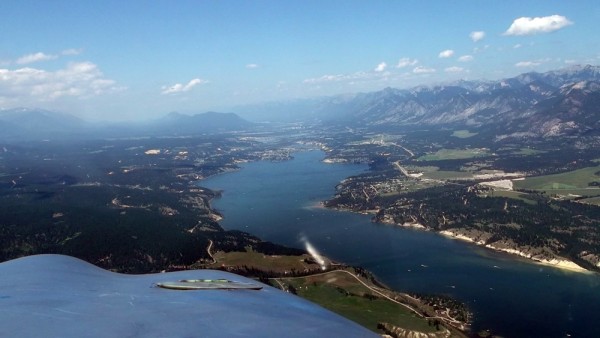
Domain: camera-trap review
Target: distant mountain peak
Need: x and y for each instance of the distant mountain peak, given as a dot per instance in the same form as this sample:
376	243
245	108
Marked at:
175	123
174	115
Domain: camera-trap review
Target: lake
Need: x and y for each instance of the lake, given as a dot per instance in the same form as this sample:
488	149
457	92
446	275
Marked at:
278	202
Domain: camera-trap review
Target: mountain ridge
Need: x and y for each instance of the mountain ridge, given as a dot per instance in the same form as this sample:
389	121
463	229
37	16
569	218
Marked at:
556	103
531	103
33	123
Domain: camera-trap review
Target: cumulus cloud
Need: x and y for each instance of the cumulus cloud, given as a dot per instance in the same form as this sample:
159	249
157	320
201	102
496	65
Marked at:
423	70
30	86
477	35
527	64
380	67
252	66
446	53
35	57
405	62
454	69
545	24
180	88
465	58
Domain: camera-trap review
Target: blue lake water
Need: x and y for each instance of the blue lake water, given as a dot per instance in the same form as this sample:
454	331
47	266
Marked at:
515	298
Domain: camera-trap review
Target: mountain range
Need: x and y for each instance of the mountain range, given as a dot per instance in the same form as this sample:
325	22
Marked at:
555	103
28	124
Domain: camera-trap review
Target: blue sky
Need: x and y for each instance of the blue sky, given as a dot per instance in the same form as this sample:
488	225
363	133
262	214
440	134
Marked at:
107	60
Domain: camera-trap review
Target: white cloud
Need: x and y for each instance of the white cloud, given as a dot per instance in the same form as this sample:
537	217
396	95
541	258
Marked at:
180	88
345	77
570	61
380	67
517	46
423	70
325	78
31	86
352	78
35	57
465	58
405	62
527	64
446	53
252	66
72	51
546	24
454	69
477	35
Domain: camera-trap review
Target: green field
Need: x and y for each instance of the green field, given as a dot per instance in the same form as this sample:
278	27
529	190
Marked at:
437	174
422	169
364	311
573	182
454	154
447	175
337	290
528	152
346	297
463	133
263	262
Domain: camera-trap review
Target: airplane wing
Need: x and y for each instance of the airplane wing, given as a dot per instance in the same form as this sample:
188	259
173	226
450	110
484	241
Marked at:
61	296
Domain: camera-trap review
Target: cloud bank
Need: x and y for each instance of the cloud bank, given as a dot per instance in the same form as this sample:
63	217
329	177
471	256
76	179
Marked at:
35	57
31	86
40	56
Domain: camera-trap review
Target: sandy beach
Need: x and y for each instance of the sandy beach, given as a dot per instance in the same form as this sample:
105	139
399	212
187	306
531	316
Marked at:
564	264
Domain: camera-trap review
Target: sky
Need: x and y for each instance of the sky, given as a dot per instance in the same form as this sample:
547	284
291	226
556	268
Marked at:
131	60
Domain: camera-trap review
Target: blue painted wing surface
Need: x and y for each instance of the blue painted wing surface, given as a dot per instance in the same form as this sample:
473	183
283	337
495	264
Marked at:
60	296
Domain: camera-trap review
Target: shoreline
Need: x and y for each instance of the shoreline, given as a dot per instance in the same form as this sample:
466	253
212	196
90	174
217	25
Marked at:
563	263
559	263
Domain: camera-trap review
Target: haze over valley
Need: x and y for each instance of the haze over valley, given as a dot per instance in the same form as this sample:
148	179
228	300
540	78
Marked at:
419	173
